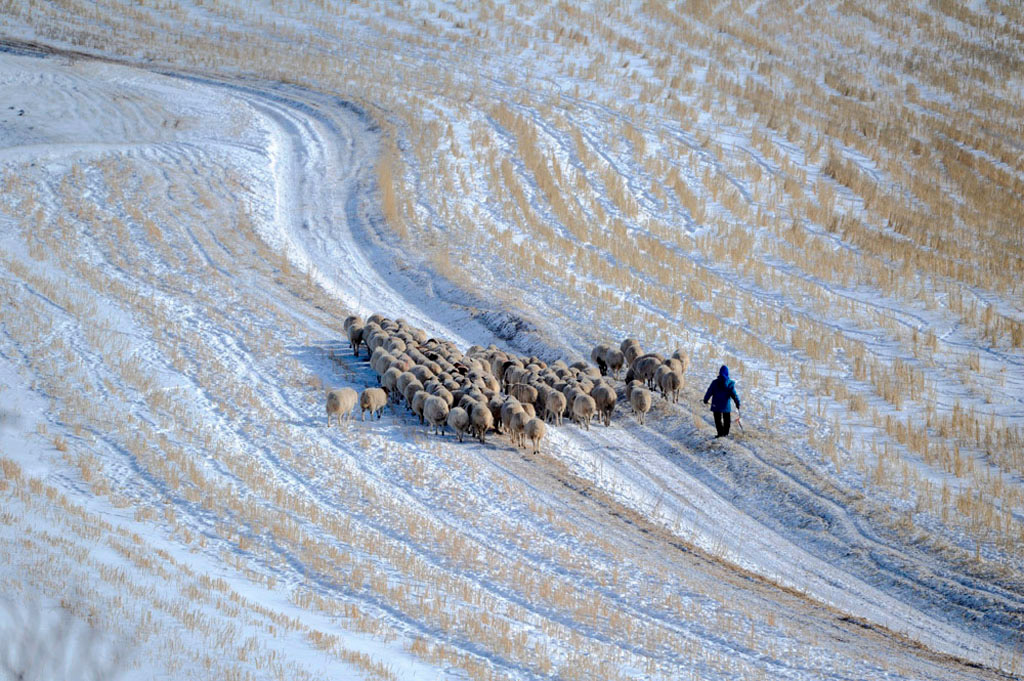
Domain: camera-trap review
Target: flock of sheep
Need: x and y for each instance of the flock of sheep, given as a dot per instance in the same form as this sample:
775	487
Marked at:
488	389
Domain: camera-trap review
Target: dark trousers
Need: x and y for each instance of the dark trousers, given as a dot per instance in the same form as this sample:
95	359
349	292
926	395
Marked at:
723	419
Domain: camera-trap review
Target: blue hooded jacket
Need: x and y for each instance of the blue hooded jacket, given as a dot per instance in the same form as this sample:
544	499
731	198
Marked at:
721	391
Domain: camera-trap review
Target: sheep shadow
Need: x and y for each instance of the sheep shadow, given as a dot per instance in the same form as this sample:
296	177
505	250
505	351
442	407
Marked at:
331	364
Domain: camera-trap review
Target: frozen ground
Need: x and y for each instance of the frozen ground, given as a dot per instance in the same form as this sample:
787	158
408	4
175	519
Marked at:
178	252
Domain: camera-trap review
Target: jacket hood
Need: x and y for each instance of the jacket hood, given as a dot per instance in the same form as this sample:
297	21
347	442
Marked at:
724	372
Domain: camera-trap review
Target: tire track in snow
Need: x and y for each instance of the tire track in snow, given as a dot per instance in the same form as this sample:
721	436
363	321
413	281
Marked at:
294	137
292	157
301	167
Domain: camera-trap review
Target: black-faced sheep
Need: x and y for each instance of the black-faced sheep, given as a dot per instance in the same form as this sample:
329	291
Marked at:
341	402
599	357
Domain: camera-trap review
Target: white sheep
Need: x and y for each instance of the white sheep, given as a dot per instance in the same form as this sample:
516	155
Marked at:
419	399
481	420
640	399
675	364
523	392
389	382
467	398
374	337
517	428
444	394
435	411
380	361
423	373
513	374
630	387
411	389
630	350
583	409
395	345
536	430
350	320
403	363
671	383
659	376
555	407
458	420
341	402
372	400
510	407
645	366
683	357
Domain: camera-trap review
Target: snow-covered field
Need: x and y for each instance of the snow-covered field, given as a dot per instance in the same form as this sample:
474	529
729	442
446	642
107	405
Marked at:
194	196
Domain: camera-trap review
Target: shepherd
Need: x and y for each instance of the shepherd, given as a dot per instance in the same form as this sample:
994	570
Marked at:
720	392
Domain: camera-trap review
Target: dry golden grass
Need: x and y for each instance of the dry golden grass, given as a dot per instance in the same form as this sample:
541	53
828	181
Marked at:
695	116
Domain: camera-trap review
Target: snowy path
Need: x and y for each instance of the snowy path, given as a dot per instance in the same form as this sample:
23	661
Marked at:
196	308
